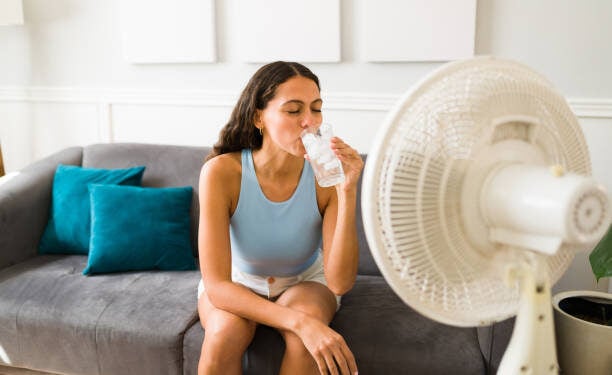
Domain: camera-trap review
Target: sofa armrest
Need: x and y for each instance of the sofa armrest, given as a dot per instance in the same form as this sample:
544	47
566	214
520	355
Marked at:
24	206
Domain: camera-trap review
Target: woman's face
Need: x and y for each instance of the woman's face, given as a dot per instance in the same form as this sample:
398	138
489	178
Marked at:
295	106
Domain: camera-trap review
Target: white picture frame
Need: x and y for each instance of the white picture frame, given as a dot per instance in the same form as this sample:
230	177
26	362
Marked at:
11	12
168	31
418	30
294	30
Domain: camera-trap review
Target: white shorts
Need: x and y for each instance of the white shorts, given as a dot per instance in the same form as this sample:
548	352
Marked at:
273	286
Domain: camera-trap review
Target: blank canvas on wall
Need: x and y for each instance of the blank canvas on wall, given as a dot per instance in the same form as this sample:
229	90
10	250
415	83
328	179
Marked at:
168	31
297	30
419	30
11	12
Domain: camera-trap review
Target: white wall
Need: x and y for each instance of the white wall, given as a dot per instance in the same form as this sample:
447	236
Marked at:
71	43
63	79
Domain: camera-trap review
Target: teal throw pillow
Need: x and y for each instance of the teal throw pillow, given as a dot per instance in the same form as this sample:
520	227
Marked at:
67	230
135	228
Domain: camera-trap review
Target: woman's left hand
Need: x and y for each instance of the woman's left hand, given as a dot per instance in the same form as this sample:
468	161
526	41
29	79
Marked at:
352	164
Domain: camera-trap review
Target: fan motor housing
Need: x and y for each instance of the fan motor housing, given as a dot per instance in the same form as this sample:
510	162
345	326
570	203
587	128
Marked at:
538	208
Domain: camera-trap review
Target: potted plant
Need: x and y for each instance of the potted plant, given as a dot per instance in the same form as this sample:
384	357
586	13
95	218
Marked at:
583	320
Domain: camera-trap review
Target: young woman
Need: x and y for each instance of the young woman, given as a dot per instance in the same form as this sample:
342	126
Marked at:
275	248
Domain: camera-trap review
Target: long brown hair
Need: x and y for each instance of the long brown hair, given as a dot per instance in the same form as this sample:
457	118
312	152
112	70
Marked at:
240	131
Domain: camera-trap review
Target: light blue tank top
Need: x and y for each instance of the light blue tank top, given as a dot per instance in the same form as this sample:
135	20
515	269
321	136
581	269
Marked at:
275	238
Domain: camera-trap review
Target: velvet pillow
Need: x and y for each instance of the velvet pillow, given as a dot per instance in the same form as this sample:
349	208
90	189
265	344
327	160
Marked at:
135	228
67	230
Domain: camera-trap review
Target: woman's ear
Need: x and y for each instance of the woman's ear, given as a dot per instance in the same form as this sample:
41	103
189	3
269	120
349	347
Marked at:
257	118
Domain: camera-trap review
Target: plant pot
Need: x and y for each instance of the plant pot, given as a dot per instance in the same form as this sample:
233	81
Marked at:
583	332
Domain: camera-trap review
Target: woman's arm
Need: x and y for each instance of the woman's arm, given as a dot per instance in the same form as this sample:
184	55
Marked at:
218	193
340	245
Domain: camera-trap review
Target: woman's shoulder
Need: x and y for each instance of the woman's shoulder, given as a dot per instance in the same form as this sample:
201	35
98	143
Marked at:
220	178
226	159
224	166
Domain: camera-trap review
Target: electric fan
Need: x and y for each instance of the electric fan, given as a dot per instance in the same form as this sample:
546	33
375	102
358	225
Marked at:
475	198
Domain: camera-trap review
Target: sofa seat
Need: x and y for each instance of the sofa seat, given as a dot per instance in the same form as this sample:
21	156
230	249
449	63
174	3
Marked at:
385	335
53	318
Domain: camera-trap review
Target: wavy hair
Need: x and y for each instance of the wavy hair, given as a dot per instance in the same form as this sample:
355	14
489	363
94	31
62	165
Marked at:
240	131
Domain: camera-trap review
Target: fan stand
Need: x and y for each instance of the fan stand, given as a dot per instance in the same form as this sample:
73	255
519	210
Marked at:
532	348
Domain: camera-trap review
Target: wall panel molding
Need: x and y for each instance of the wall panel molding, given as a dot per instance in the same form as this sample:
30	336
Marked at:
346	101
591	107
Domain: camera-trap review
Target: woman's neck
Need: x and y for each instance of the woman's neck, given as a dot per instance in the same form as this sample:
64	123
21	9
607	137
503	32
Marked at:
276	164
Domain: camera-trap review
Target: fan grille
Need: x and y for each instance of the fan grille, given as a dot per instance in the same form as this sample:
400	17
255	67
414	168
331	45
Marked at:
429	141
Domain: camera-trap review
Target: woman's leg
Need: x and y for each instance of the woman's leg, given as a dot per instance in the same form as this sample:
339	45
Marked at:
226	337
316	300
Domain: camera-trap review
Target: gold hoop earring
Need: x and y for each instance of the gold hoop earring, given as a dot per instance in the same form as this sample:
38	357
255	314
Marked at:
261	131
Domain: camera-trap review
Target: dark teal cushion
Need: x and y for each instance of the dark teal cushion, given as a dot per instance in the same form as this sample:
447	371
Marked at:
67	230
135	228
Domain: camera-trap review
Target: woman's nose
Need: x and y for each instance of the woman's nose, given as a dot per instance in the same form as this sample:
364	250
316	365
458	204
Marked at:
310	120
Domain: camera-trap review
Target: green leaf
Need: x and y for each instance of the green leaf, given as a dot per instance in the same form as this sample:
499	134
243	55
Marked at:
601	257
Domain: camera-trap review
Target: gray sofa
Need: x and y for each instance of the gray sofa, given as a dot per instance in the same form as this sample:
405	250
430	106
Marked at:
55	320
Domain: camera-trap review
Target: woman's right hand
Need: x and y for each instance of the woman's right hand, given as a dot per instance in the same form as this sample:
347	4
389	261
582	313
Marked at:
327	347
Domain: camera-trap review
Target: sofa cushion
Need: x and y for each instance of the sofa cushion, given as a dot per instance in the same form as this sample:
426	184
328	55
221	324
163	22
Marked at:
68	231
392	338
385	335
54	319
135	228
166	166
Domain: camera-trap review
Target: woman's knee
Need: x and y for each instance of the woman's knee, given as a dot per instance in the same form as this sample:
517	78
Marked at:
311	298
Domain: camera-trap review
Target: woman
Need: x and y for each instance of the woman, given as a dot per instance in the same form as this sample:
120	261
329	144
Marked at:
275	248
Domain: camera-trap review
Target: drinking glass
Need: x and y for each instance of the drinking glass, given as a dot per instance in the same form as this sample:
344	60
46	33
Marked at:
326	166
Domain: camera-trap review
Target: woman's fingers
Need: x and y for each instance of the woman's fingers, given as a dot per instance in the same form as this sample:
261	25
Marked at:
345	359
325	361
339	146
345	152
350	360
320	360
352	164
339	359
331	364
341	362
328	348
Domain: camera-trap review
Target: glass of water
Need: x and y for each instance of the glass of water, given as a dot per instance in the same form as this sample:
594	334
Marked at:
326	166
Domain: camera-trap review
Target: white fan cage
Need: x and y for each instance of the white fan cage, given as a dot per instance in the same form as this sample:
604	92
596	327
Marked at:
413	181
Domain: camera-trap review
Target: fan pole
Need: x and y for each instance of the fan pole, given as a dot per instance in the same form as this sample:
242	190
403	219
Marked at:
532	348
